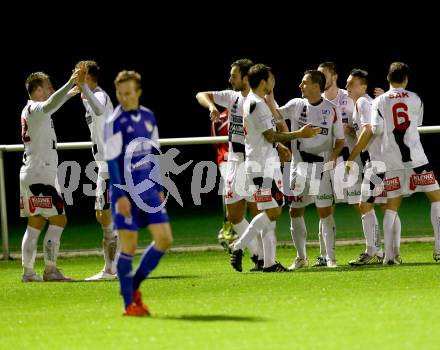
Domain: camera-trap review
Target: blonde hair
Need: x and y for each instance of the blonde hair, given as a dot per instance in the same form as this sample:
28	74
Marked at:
35	80
127	75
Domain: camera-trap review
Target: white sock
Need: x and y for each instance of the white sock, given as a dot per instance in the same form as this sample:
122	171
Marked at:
52	245
322	251
259	242
269	244
258	223
240	227
397	234
298	232
329	235
435	221
378	240
370	226
388	232
29	247
110	247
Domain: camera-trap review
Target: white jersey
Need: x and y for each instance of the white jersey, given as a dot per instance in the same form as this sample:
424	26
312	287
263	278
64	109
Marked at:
399	112
233	101
361	117
96	122
39	138
345	106
257	119
318	148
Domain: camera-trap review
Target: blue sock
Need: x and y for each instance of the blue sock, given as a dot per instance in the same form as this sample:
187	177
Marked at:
148	263
125	277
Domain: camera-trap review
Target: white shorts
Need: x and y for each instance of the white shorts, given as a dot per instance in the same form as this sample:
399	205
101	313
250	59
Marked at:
236	183
269	193
40	193
352	194
372	190
311	188
102	196
405	182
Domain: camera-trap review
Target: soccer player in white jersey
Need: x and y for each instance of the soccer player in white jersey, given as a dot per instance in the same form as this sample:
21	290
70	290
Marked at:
99	107
345	107
262	163
235	201
313	159
368	146
395	117
40	198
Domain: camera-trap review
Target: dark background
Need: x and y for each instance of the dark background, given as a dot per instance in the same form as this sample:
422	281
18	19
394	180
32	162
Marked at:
179	56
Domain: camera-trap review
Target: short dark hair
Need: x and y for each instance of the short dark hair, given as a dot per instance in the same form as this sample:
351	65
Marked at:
361	74
126	75
244	65
35	80
398	72
92	68
317	77
330	66
257	73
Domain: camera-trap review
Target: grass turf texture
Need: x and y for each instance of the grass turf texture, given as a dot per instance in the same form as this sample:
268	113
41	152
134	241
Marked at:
199	302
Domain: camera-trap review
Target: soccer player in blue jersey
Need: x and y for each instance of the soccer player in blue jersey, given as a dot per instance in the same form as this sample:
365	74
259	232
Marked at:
131	151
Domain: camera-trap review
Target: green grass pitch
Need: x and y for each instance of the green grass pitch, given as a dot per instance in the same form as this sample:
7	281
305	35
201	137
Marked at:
199	302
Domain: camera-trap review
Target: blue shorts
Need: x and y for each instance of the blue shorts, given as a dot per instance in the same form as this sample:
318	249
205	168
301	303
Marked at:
139	218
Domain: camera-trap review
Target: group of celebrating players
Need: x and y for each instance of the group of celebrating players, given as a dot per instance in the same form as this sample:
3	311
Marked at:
374	142
343	146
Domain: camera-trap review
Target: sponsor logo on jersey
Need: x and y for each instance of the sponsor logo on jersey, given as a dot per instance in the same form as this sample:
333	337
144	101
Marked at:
263	195
324	131
423	179
237	119
236	129
392	184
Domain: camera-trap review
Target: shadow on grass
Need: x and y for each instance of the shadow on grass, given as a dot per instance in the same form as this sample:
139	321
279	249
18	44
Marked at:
176	277
212	318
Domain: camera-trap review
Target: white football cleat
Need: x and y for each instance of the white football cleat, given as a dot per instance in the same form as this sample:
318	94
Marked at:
331	263
103	276
298	263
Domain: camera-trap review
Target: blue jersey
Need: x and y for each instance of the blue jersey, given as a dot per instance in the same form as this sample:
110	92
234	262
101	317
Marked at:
132	153
131	150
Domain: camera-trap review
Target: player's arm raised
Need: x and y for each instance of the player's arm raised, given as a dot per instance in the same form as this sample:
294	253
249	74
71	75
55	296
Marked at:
206	99
56	100
96	101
